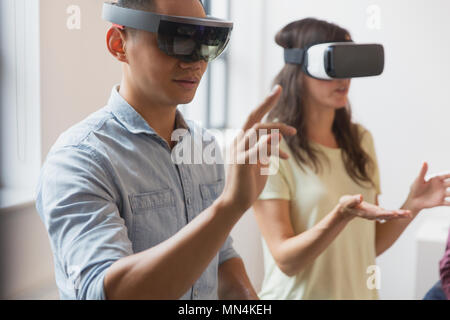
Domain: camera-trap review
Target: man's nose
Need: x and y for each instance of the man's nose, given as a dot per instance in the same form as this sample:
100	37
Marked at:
192	65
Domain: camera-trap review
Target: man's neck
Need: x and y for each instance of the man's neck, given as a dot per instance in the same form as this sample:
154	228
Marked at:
160	118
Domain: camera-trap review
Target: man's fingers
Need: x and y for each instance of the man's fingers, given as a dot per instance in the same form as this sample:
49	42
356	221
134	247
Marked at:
253	134
263	149
274	144
254	152
283	155
282	127
259	113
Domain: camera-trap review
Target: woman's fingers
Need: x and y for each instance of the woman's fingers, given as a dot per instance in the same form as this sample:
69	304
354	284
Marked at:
356	207
383	215
444	177
351	201
392	215
423	171
372	212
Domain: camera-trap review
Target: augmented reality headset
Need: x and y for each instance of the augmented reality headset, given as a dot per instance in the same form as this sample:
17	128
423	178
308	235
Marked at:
186	38
338	60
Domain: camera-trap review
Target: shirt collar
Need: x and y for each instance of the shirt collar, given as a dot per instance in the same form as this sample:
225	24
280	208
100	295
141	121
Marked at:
132	120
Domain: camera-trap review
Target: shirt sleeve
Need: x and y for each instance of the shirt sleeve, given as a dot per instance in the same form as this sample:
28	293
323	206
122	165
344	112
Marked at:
227	251
444	267
276	186
76	201
369	146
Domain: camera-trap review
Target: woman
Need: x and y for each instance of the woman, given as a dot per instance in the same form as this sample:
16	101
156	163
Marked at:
318	215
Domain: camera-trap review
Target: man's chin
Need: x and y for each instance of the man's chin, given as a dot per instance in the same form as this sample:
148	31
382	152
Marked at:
186	100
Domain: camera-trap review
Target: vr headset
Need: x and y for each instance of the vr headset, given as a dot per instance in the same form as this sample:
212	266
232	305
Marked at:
338	60
186	38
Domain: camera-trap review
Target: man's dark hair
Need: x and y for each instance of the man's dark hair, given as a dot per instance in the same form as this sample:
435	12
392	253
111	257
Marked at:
136	4
139	4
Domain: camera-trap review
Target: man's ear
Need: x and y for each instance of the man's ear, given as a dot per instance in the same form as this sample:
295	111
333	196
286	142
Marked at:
115	41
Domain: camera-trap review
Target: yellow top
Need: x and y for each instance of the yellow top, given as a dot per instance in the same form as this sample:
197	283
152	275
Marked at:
341	271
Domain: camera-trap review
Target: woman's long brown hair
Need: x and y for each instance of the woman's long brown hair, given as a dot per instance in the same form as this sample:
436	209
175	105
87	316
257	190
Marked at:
291	110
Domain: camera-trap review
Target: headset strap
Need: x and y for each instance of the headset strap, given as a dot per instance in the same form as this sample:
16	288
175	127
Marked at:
294	56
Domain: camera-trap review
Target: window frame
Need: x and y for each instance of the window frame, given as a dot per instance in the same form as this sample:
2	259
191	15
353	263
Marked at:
20	102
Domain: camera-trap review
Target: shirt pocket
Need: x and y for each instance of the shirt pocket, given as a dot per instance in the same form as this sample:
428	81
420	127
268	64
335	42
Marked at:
154	218
210	192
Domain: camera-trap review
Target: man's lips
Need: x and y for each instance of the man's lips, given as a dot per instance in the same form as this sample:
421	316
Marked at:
187	83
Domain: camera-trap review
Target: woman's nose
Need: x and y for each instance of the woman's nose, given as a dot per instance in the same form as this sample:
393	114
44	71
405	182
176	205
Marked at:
343	81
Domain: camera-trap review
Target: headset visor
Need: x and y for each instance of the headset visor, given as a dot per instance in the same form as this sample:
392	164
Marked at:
190	42
338	60
186	38
354	60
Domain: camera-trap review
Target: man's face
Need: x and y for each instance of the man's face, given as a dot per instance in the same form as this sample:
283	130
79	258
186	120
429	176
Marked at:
158	77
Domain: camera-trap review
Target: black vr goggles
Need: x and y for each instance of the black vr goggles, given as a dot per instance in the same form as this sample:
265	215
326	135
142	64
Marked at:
338	60
186	38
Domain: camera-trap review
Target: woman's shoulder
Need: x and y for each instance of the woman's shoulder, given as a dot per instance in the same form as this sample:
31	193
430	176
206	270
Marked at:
364	133
361	128
366	138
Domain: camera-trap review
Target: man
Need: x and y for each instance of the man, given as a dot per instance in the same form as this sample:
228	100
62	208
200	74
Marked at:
125	221
444	268
441	289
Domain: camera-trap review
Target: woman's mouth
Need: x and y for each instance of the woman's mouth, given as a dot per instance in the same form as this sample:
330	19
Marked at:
342	90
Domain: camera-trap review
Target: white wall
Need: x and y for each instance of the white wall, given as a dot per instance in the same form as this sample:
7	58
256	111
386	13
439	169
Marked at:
77	75
406	109
77	71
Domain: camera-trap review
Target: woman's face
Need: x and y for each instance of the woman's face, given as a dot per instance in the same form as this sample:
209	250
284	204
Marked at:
329	94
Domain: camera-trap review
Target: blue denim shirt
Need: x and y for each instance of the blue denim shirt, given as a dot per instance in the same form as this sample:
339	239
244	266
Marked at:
109	189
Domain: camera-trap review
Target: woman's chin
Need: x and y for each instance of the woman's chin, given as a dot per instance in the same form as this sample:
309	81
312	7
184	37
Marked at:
341	103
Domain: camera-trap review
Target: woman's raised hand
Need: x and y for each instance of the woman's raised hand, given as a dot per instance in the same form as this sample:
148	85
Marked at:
430	193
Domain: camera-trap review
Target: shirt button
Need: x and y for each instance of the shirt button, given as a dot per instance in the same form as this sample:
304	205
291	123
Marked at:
189	201
196	293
